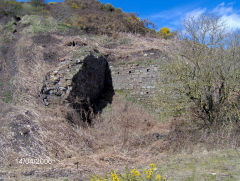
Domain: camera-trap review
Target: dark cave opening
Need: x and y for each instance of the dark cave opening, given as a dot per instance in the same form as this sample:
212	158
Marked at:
92	88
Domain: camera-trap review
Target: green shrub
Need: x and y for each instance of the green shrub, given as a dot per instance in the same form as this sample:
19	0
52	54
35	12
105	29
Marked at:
134	24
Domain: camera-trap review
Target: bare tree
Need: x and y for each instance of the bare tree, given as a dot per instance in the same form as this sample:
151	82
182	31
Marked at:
205	76
207	30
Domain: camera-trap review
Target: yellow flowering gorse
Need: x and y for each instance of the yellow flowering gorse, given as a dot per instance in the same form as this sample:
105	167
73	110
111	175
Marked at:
148	174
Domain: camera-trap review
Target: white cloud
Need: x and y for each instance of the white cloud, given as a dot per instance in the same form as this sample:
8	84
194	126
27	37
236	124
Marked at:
175	17
169	14
229	15
168	18
195	13
223	9
232	21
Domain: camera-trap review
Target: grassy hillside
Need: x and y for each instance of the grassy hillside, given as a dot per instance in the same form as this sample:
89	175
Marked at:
191	132
88	15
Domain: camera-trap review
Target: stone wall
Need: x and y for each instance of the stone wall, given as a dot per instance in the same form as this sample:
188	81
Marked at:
88	79
84	83
138	80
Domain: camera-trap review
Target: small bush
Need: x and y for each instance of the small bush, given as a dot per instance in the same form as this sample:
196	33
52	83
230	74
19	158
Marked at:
149	174
74	5
134	24
118	10
107	7
165	30
52	3
110	7
165	33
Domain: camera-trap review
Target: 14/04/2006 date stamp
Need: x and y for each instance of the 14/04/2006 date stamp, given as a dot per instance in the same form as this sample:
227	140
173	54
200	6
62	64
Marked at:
35	161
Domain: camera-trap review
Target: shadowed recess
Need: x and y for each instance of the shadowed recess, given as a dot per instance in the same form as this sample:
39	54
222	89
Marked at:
92	87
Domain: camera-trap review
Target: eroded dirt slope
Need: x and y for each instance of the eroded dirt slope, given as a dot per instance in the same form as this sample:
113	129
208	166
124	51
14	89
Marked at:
122	134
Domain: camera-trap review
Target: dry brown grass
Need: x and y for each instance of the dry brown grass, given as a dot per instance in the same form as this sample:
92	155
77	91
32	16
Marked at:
123	135
188	136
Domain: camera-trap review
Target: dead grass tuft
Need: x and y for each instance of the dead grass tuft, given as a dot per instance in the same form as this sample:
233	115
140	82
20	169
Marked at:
123	135
188	136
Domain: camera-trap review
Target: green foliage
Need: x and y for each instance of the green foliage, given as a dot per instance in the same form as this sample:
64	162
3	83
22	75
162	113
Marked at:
134	24
7	31
98	18
39	24
10	26
74	5
107	7
10	7
203	166
87	15
62	27
8	97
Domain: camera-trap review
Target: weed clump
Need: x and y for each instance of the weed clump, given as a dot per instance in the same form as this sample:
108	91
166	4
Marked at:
109	7
148	174
74	5
8	96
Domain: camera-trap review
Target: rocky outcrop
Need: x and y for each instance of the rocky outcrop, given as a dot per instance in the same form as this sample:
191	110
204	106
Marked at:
83	83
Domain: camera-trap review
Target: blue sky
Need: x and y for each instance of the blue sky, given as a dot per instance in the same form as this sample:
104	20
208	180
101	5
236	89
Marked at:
171	13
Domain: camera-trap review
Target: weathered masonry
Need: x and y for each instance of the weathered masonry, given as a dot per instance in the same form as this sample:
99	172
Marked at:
139	80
